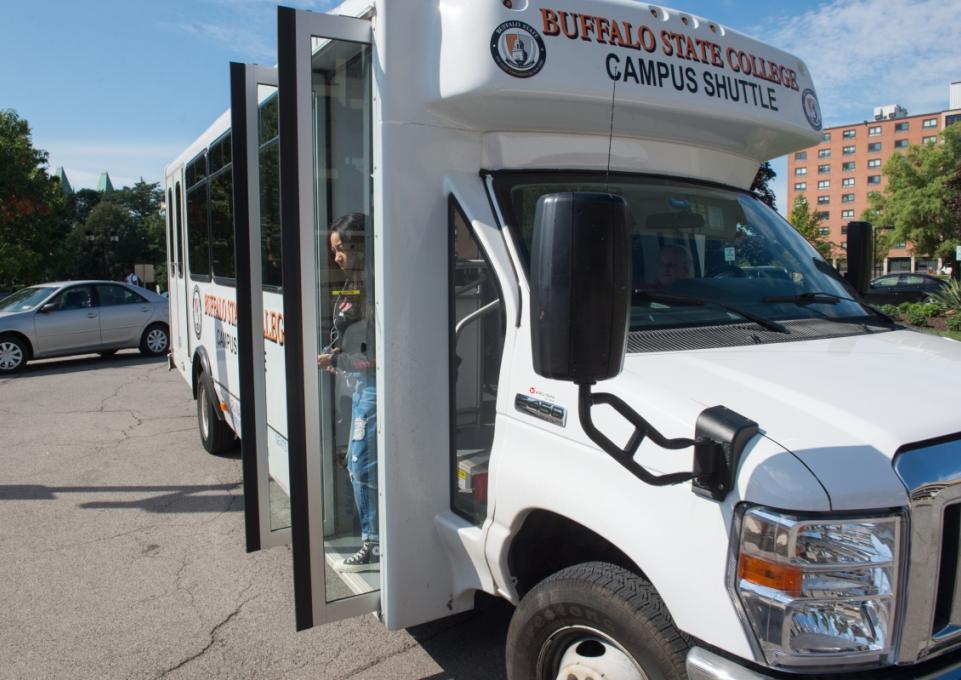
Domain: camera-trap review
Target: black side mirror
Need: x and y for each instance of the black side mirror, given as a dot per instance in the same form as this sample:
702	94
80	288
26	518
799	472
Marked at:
860	254
580	286
47	308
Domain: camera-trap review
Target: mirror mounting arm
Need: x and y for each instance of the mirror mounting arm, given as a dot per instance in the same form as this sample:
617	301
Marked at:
587	399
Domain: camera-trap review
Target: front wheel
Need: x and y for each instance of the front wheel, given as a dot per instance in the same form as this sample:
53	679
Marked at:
594	620
13	354
215	434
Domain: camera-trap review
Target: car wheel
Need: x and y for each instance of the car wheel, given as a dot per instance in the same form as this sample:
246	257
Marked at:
215	435
13	354
155	340
594	620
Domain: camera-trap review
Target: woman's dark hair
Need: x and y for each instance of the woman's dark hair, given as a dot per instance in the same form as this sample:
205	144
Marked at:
351	228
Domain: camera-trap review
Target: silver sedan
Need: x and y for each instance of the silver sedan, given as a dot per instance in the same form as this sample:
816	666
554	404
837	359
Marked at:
80	317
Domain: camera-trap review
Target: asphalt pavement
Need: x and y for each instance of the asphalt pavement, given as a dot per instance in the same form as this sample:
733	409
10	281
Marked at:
122	550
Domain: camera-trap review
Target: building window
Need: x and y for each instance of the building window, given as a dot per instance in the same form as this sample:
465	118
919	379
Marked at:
874	163
874	147
800	186
900	144
824	231
849	134
801	156
848	150
874	131
800	171
826	137
847	167
824	214
874	179
823	200
902	127
952	119
930	123
824	184
901	244
847	198
929	140
824	168
846	214
847	182
824	153
844	229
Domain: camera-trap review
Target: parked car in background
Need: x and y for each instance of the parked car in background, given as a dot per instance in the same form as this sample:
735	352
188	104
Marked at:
893	289
80	317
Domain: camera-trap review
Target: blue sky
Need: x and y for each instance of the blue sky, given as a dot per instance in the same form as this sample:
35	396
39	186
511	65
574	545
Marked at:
126	85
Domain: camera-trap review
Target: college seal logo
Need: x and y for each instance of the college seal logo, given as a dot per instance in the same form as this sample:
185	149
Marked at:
812	110
198	312
518	49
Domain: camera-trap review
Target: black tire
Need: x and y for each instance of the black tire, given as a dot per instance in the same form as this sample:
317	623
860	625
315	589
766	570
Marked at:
155	340
14	354
215	434
598	611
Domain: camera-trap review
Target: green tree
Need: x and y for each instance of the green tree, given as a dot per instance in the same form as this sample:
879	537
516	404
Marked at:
806	221
760	186
32	208
916	203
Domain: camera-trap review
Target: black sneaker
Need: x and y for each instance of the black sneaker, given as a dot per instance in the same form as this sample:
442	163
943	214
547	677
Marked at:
367	558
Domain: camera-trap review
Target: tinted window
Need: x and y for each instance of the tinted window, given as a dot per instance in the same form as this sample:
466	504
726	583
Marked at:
78	297
222	225
180	269
118	295
269	193
197	235
196	170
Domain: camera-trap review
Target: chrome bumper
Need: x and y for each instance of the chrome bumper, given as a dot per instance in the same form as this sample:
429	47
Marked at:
705	665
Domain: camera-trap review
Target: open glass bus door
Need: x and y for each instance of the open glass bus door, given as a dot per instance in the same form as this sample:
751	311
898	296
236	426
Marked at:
324	65
256	154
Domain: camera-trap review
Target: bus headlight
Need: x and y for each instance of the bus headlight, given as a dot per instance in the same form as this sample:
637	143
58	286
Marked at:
818	591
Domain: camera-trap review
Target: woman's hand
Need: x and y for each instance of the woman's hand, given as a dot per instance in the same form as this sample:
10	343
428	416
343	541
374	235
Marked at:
326	361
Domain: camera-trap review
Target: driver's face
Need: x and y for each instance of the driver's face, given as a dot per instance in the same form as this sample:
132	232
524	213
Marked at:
337	248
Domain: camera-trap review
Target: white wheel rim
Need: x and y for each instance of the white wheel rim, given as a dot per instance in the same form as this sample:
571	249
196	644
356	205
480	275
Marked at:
11	355
587	653
204	423
156	340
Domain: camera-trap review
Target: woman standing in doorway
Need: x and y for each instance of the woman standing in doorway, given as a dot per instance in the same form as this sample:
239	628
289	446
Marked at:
350	354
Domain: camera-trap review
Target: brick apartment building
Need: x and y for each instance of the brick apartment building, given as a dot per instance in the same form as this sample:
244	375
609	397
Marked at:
837	175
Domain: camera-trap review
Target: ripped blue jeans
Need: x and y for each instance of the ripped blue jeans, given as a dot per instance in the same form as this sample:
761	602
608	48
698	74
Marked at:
362	458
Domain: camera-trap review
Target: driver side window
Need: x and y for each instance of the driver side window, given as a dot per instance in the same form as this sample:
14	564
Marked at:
78	297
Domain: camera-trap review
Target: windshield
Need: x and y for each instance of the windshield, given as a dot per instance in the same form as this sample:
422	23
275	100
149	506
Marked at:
701	255
24	300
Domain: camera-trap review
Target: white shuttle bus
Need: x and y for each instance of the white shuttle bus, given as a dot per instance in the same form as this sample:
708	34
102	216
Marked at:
502	317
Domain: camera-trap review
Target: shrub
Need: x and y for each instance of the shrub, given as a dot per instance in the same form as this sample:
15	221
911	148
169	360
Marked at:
950	296
916	316
954	323
891	310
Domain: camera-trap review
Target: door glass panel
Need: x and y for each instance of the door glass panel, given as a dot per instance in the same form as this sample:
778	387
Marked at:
268	156
343	251
478	334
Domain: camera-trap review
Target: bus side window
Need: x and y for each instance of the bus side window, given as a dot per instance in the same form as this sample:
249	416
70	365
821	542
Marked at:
477	329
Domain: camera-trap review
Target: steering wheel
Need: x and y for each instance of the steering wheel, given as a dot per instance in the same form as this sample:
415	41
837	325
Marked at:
729	271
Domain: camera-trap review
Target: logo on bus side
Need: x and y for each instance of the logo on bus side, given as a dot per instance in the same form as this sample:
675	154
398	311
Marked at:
812	110
198	312
518	49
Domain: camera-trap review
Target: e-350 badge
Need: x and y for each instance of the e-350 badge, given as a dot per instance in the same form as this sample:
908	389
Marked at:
518	49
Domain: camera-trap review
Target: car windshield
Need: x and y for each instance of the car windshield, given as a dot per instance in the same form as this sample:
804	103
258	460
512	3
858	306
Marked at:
24	300
701	256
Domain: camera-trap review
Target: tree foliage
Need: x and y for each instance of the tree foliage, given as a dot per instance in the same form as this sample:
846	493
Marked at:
922	200
32	208
807	221
760	187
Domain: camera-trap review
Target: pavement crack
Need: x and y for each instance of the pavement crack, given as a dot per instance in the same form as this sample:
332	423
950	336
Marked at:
210	643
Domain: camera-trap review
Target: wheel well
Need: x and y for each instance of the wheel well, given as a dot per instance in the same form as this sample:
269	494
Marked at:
22	338
197	369
548	542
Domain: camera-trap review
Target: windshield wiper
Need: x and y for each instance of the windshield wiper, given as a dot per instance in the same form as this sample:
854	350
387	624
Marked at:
667	298
816	298
820	298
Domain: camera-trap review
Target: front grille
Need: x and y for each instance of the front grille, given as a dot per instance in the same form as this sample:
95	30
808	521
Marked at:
932	613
